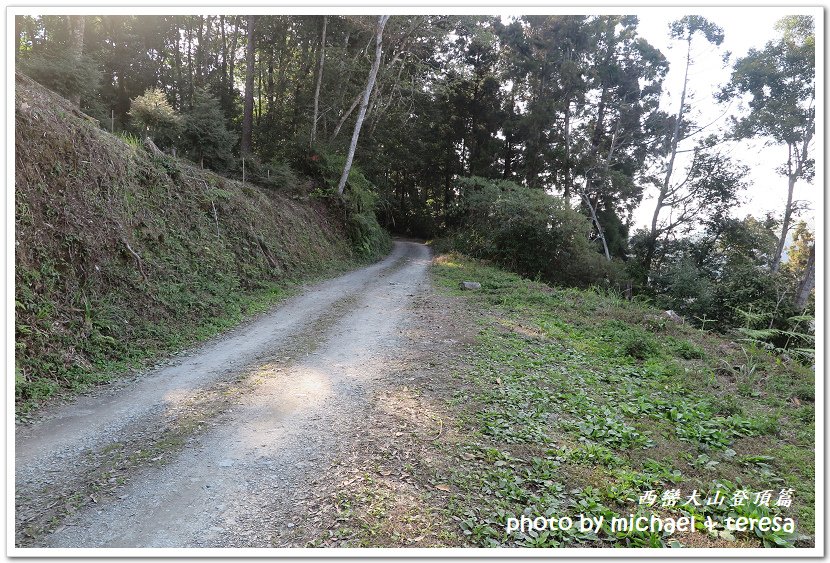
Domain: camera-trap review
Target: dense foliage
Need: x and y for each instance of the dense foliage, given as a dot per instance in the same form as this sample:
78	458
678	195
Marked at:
153	116
204	133
526	140
527	230
122	255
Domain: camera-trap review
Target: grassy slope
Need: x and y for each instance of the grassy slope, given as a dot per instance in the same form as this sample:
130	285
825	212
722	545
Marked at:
582	401
121	256
561	402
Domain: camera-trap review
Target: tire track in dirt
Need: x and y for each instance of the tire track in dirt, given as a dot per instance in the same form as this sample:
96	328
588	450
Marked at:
288	413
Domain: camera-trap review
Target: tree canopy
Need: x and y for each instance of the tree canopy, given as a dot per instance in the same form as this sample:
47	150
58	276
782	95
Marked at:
532	138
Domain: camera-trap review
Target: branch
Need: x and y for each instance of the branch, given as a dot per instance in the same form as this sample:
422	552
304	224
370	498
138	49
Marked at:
138	260
699	129
346	116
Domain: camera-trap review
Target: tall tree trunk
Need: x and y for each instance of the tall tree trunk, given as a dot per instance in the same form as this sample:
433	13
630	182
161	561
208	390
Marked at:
177	61
345	117
299	79
200	52
190	59
373	73
342	75
223	85
319	81
259	96
534	164
808	281
610	42
232	64
593	205
18	32
269	82
31	31
283	64
448	192
566	173
248	108
600	232
208	56
596	139
76	48
508	137
664	189
785	225
792	177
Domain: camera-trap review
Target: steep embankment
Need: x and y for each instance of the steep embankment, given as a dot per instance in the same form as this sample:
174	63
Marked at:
121	254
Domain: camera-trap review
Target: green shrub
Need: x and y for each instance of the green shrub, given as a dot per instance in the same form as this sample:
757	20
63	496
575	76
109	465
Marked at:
281	176
59	70
526	230
359	200
686	350
153	115
640	347
686	289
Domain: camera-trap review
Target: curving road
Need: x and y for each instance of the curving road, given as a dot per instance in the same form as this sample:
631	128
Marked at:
294	381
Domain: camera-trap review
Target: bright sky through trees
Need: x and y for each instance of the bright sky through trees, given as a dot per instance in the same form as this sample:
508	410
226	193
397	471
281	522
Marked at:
744	28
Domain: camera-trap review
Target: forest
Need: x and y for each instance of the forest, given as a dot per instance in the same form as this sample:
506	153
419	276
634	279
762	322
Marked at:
349	281
527	140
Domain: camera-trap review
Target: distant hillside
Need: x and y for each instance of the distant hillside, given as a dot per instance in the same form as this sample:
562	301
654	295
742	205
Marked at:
121	254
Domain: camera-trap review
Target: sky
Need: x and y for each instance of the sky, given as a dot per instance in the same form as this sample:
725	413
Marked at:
744	28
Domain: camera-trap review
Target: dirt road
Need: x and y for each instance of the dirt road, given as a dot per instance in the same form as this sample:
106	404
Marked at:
219	447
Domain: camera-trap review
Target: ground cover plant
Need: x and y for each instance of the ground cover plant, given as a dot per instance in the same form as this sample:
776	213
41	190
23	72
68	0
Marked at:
578	401
124	255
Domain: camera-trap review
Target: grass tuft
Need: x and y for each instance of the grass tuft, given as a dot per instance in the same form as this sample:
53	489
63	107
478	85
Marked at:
589	405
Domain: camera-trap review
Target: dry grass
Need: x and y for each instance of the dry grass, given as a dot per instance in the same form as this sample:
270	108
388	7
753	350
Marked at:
121	255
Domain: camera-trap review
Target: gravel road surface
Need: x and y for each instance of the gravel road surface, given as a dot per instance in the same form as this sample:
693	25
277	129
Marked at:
257	413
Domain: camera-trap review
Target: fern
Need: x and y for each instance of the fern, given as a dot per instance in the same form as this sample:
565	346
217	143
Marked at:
754	334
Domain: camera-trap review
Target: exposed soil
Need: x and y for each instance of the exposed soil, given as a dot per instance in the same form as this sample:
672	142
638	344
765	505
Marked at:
226	446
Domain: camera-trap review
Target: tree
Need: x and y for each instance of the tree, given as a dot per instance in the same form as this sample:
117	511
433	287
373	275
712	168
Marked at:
780	81
370	83
76	48
204	133
475	94
319	81
551	63
527	230
248	110
711	273
808	280
800	265
686	28
708	191
60	64
614	134
153	116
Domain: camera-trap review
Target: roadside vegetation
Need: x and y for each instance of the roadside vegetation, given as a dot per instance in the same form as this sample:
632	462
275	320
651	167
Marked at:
123	255
577	401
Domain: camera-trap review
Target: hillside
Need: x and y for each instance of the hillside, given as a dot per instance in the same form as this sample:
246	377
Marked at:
121	255
595	326
561	402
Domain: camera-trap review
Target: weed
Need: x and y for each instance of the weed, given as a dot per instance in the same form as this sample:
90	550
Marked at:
686	350
603	411
145	254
